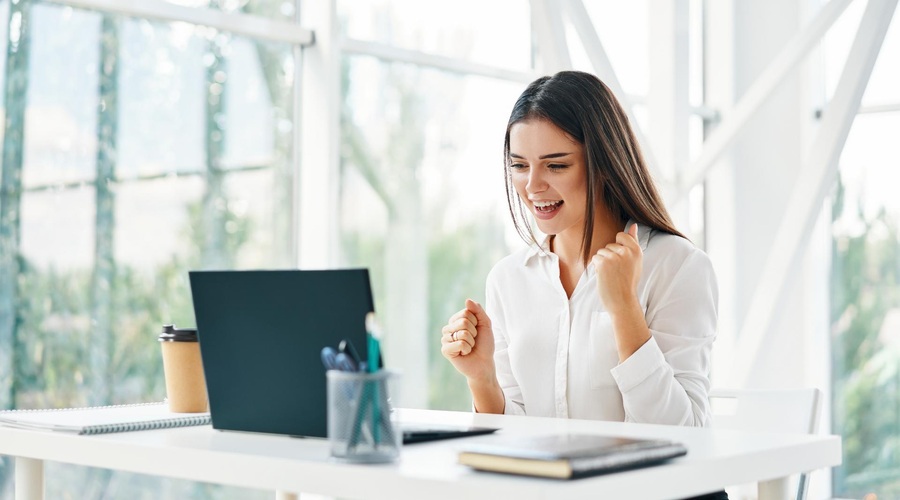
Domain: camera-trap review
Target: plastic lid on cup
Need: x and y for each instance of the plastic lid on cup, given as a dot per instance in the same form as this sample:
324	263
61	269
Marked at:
172	334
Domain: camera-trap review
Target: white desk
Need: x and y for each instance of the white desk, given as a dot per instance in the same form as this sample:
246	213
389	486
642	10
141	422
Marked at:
716	458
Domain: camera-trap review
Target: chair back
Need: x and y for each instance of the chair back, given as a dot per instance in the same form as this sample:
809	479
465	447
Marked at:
768	410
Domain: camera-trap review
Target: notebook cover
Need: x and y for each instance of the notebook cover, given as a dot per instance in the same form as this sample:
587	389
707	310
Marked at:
567	456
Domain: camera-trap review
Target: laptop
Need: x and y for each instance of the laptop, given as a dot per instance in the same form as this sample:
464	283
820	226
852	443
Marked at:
261	335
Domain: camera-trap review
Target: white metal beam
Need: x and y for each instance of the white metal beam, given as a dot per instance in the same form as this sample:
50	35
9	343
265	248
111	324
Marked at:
232	22
735	120
395	54
880	108
815	180
552	48
296	138
721	239
668	95
581	21
319	123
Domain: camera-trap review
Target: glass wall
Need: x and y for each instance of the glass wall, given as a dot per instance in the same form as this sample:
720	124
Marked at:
865	310
133	152
422	198
865	280
495	33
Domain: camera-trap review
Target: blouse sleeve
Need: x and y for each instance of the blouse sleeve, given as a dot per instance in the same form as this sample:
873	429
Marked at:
515	404
666	381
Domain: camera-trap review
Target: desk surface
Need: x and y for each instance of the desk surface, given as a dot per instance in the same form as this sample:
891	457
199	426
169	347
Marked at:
716	458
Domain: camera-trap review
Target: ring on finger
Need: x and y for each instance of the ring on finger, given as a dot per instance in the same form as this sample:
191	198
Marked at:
453	336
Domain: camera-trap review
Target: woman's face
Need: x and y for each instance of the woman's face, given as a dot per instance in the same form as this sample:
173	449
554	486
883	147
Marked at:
548	172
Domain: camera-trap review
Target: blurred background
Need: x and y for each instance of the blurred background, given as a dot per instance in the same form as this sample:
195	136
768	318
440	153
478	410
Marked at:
142	139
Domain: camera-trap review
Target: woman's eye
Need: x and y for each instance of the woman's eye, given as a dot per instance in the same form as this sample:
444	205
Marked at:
517	166
557	166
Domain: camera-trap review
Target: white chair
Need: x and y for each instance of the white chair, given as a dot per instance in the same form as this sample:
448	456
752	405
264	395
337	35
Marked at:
775	410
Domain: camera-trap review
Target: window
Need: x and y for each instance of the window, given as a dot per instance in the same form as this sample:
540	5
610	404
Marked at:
865	310
496	33
865	282
147	149
423	205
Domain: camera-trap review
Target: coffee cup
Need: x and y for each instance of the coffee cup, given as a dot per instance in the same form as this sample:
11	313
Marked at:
185	384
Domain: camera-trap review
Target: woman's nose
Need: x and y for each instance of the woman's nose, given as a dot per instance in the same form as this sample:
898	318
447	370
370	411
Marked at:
536	182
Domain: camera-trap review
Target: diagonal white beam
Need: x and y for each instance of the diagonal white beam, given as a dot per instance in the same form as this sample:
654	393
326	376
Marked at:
551	37
780	67
581	21
815	180
880	108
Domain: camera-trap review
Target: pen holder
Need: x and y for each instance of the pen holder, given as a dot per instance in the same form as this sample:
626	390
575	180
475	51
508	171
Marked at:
360	423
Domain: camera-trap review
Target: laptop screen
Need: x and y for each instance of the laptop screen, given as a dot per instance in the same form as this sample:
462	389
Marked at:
261	334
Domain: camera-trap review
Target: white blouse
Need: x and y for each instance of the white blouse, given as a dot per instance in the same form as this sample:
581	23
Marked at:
557	356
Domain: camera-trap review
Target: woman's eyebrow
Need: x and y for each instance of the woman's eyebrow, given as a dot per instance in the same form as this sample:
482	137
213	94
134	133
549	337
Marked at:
543	157
553	155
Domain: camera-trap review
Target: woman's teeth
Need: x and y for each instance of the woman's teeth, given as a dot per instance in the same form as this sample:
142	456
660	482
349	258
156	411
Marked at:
547	206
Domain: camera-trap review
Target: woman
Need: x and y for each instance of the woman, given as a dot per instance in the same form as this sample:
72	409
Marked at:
613	314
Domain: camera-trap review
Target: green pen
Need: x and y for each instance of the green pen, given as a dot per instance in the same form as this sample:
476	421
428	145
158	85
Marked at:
373	338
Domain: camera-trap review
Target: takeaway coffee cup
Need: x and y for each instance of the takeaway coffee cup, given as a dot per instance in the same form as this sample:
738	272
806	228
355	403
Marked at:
185	384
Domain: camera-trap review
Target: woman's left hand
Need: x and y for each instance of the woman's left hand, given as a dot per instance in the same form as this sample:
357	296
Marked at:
618	267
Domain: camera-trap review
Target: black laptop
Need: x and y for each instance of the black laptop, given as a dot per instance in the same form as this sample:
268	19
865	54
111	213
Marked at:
261	334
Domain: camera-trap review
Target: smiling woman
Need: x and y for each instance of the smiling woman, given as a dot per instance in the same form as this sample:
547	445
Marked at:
612	316
548	181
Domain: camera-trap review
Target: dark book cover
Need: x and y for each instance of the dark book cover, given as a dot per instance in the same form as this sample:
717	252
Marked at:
567	456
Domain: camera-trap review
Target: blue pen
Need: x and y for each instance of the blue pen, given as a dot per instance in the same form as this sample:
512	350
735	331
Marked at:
328	354
344	363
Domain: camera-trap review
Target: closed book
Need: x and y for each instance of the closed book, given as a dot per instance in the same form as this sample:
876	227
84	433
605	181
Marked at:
102	419
567	456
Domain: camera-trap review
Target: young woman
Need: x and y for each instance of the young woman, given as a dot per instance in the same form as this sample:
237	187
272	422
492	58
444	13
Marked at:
612	315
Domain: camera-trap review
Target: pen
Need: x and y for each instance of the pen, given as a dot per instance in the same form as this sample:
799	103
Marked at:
346	347
374	344
373	335
328	354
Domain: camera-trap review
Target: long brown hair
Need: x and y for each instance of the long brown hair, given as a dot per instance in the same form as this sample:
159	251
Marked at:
583	107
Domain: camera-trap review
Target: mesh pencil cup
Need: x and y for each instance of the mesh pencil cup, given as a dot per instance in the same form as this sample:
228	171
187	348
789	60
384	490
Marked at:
361	422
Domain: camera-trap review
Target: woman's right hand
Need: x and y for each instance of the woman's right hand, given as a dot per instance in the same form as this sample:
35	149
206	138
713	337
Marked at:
468	342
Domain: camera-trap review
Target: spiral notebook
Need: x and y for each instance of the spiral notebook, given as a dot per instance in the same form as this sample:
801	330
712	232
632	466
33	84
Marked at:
102	419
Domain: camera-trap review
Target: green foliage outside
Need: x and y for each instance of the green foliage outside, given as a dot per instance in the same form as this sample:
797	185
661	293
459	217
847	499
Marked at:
865	289
458	263
52	364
